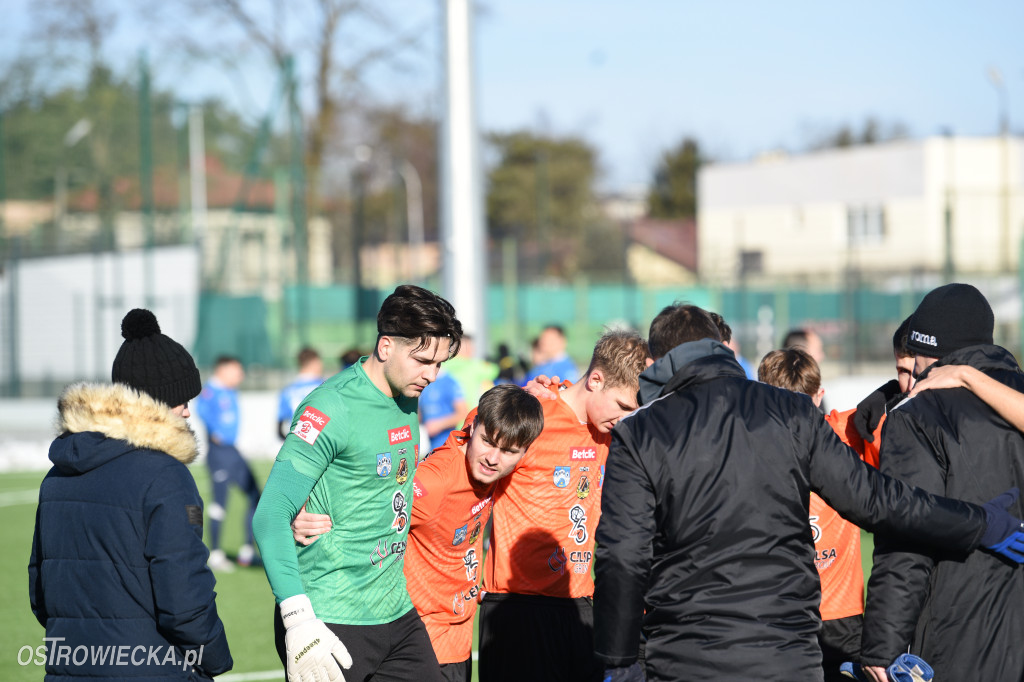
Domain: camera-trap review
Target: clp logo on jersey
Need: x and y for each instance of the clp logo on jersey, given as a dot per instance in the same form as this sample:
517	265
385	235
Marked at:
310	424
578	454
399	435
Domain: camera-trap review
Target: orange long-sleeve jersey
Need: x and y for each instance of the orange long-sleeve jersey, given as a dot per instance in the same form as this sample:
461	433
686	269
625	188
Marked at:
546	511
836	540
449	513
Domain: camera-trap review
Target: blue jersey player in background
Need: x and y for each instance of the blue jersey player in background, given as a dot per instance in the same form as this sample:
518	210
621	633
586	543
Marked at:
550	356
443	407
311	371
217	407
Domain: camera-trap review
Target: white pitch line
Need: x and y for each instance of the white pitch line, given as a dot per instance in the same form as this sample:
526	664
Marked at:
267	675
252	677
17	497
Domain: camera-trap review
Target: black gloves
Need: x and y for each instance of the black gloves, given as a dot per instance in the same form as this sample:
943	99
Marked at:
871	409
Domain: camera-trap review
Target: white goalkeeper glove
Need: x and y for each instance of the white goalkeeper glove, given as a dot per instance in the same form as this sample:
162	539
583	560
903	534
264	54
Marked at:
315	654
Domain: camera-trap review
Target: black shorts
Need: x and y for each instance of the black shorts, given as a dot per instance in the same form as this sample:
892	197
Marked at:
458	672
529	637
840	642
398	651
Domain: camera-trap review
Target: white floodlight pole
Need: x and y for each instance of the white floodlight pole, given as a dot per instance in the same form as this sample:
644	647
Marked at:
197	171
462	219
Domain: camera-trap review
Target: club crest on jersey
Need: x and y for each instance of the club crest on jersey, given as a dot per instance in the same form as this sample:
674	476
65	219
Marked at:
600	479
562	476
557	561
582	454
401	515
475	534
578	516
470	563
583	487
310	424
460	535
383	464
399	435
402	472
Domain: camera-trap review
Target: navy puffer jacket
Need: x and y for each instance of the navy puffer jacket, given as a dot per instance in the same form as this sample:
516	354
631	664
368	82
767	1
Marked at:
118	567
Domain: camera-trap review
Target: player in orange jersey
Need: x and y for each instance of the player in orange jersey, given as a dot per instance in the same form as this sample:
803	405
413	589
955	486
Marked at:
536	615
836	540
453	491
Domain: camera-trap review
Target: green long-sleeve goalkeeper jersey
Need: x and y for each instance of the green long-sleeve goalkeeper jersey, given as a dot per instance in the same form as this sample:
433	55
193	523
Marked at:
352	450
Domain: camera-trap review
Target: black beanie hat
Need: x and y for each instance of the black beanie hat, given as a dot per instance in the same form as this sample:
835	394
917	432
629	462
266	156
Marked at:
949	318
153	363
900	336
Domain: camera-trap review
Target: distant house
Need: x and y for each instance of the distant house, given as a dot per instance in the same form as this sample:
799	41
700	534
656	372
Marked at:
895	208
251	250
662	252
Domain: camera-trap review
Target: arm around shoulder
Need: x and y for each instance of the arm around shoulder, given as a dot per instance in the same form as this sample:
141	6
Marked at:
1006	401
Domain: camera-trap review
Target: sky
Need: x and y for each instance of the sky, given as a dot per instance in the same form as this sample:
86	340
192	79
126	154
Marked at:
634	78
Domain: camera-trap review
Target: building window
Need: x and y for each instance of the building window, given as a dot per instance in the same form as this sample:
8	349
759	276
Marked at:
865	225
751	262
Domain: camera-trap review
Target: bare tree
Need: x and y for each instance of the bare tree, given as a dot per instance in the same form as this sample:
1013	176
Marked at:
324	33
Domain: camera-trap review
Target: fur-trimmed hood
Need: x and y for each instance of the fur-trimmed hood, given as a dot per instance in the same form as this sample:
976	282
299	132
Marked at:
117	413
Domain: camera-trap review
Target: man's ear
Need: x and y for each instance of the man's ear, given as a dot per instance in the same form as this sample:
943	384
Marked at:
385	346
595	380
649	361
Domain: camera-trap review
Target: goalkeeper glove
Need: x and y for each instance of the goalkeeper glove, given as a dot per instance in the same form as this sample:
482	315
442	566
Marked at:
630	673
315	654
1004	533
910	668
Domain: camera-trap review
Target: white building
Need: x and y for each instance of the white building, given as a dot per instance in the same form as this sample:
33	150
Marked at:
880	209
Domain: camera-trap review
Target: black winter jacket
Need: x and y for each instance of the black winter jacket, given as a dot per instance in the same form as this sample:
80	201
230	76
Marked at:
963	613
704	523
118	566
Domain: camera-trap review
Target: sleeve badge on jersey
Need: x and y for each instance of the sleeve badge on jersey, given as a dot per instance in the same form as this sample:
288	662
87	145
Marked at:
310	424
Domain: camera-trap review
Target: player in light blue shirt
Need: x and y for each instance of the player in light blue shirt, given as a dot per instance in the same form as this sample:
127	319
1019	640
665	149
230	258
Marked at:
311	370
552	358
442	408
217	407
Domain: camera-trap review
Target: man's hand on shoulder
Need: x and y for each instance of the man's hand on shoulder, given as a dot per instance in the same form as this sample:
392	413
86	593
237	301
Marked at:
543	387
307	527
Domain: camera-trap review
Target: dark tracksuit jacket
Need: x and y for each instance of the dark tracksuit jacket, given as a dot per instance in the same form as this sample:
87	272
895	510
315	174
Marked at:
118	558
704	542
961	612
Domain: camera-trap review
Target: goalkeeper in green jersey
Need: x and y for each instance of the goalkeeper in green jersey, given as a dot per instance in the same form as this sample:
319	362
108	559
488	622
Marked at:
351	453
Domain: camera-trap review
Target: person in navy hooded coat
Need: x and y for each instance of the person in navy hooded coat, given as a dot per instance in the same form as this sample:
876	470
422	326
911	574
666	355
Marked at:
118	573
